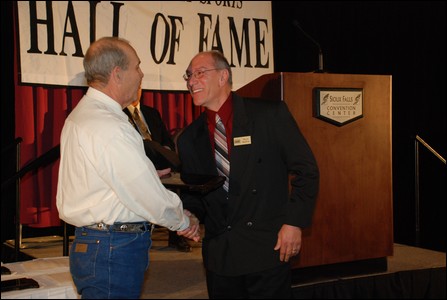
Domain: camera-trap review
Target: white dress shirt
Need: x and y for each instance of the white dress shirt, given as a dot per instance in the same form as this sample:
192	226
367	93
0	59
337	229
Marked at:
104	173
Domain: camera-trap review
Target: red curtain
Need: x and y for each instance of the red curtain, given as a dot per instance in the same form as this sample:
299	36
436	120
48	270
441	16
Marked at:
40	113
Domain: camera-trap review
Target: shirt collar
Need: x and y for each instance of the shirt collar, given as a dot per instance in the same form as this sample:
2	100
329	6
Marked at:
225	112
102	97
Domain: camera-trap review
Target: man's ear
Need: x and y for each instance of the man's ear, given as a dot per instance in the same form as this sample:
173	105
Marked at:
223	77
116	74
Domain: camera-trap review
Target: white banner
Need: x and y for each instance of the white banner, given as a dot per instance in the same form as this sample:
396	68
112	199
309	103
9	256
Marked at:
54	36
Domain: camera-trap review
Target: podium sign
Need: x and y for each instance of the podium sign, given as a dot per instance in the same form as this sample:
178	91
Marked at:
338	106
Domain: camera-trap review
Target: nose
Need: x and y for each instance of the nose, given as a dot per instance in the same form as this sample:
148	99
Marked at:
189	86
191	81
141	73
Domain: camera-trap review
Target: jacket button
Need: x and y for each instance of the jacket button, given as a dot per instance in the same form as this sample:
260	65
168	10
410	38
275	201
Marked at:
249	224
254	191
229	227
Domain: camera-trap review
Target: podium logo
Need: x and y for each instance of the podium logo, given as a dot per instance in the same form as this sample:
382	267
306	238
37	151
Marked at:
338	106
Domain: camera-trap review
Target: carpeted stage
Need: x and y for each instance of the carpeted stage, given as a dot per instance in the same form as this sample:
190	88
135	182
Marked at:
409	274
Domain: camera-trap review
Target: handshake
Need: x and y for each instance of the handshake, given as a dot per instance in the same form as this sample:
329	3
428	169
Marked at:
193	231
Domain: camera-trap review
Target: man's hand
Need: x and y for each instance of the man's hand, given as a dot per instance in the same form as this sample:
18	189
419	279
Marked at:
193	231
164	173
289	242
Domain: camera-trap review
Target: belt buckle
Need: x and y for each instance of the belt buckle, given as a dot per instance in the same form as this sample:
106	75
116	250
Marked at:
124	227
128	227
102	226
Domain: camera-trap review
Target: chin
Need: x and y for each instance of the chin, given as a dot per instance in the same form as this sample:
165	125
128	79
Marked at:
197	102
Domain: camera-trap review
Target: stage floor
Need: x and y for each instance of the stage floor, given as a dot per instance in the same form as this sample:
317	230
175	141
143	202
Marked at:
178	275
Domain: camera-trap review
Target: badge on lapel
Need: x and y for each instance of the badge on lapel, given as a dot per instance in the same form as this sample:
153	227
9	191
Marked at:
242	140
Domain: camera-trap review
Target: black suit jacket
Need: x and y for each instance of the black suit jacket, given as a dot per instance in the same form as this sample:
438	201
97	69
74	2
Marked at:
241	228
155	149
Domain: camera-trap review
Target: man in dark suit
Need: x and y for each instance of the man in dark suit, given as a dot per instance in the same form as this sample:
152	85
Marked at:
253	227
158	137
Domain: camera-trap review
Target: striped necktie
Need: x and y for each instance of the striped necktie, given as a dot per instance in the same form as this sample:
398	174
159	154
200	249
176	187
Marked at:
144	131
221	151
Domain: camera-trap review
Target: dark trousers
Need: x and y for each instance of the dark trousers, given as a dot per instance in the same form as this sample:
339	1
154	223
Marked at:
274	283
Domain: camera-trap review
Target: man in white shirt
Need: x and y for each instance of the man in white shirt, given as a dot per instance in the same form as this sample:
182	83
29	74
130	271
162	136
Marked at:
107	186
160	148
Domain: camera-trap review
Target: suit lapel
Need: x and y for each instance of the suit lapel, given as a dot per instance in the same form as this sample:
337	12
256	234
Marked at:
150	121
203	148
240	154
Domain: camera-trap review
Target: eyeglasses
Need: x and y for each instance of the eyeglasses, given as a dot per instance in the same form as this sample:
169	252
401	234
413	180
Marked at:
197	74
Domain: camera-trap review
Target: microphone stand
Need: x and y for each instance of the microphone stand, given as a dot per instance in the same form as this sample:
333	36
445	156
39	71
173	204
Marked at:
320	52
320	61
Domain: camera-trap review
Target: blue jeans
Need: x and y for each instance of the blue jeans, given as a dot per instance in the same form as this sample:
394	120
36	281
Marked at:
106	264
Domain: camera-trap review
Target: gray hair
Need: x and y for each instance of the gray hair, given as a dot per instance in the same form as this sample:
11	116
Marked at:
102	56
221	62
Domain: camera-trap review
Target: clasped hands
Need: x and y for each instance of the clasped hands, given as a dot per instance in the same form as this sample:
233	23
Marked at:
193	231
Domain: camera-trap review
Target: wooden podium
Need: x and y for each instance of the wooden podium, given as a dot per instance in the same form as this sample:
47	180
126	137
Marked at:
353	220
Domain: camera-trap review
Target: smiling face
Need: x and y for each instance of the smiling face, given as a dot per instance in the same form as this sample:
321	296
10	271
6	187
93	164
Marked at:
207	84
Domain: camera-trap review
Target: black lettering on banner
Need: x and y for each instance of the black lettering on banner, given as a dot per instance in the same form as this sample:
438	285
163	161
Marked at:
70	17
232	4
260	42
154	35
34	45
116	17
74	34
245	38
92	6
203	37
240	45
175	38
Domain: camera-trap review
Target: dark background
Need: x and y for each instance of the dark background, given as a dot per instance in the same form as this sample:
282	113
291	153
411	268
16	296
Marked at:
405	39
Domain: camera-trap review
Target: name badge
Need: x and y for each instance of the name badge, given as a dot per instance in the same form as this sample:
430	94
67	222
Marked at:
242	140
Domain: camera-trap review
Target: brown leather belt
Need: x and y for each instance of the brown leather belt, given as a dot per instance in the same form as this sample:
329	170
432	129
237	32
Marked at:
122	227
